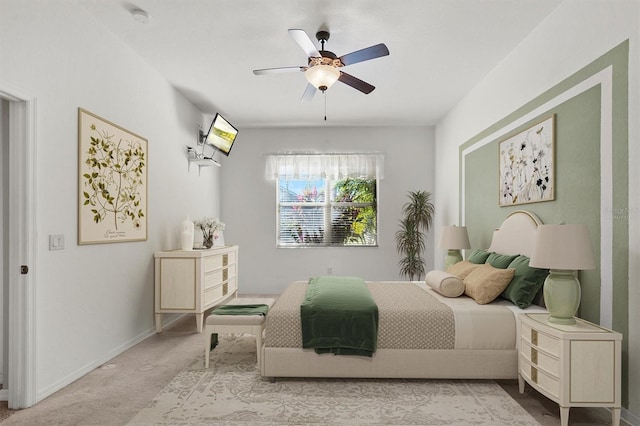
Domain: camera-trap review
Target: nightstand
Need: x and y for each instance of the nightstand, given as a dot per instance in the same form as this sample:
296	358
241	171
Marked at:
575	365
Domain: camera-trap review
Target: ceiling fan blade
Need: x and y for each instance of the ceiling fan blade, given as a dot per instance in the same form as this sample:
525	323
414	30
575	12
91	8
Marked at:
309	92
278	70
301	37
356	83
365	54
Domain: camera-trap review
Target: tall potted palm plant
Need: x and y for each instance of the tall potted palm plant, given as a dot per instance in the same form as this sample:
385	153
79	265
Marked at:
410	238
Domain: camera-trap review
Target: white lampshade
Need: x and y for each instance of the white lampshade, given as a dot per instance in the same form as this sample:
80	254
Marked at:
562	247
454	237
322	76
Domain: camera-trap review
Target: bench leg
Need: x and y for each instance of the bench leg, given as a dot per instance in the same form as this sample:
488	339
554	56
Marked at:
259	346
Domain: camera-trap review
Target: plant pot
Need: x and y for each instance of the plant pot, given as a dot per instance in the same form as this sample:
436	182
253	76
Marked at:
208	241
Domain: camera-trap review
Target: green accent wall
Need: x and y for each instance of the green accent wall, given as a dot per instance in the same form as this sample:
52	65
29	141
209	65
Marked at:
577	180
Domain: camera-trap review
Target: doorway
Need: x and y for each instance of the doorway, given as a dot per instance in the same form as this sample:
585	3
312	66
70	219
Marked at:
17	252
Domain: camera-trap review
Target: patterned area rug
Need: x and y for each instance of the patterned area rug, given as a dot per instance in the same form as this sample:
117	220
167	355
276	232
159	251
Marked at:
232	392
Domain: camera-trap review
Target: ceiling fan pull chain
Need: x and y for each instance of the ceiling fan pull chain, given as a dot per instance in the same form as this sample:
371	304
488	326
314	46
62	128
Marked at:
325	105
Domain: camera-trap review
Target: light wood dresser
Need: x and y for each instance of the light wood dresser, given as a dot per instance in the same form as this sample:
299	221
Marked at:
575	365
194	281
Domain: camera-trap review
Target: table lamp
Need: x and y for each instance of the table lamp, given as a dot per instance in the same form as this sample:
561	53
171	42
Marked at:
563	249
454	239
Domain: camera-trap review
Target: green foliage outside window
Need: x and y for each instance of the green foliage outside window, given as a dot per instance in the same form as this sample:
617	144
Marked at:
347	217
357	224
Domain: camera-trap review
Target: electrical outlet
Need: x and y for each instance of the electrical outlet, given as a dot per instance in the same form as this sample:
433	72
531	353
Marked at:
329	270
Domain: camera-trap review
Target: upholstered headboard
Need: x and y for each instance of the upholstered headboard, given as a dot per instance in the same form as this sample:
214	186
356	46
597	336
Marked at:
516	235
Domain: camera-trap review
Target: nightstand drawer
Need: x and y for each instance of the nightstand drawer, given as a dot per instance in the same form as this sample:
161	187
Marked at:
537	376
541	359
542	341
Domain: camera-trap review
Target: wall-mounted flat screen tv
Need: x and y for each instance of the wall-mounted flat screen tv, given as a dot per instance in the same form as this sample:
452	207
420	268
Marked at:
221	134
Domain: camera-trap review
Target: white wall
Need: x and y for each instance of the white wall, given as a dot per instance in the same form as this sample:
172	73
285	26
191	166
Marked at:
248	203
575	34
94	301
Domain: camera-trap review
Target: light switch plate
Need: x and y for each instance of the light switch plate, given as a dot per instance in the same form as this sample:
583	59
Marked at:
56	242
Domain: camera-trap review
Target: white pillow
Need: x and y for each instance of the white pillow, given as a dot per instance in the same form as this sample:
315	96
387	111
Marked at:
445	283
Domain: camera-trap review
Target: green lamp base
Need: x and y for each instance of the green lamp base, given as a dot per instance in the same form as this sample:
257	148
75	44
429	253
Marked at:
562	296
453	256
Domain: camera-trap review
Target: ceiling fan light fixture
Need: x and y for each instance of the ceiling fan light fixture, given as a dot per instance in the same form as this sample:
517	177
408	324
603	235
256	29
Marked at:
322	76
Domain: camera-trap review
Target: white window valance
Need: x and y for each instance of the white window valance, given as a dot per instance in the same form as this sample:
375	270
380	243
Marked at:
328	166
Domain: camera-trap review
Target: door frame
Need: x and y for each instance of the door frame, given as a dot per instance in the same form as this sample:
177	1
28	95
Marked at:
21	392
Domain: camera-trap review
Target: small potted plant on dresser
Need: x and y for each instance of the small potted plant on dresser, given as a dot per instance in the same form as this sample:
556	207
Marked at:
210	227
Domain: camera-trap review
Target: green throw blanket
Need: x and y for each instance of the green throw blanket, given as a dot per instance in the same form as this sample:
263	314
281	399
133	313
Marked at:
339	316
241	310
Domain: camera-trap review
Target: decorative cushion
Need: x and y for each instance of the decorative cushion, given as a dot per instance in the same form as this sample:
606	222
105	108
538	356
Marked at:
485	283
501	261
526	282
462	269
479	256
445	283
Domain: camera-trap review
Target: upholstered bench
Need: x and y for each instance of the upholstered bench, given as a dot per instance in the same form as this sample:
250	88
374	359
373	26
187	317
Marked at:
236	324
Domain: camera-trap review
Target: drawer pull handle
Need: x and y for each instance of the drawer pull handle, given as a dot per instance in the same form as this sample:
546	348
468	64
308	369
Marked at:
534	375
225	259
534	356
534	337
225	289
225	274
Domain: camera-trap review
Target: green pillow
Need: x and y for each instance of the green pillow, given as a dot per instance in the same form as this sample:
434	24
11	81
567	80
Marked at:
500	261
478	256
525	284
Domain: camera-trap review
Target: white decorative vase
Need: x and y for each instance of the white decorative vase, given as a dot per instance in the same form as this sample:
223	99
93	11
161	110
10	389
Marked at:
187	235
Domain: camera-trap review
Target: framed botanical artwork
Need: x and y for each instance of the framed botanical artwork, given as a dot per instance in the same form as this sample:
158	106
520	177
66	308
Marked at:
112	182
526	165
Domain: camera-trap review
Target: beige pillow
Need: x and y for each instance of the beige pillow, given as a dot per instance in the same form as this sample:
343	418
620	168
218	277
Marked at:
462	269
445	283
485	283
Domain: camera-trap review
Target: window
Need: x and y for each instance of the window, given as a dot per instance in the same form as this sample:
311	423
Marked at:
326	200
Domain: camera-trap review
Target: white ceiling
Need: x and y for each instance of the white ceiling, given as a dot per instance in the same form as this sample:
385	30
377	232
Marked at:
439	50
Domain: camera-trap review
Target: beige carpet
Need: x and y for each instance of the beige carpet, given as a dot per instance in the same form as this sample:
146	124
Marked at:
115	393
232	392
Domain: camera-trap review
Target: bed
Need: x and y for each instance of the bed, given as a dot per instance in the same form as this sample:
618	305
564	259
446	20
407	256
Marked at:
421	334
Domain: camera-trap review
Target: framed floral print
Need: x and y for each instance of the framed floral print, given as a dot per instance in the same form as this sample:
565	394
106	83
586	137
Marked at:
112	182
527	165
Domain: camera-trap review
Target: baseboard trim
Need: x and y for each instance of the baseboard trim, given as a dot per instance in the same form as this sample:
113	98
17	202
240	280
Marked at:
65	381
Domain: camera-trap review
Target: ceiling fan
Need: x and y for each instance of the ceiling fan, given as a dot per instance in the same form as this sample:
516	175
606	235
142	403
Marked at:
324	67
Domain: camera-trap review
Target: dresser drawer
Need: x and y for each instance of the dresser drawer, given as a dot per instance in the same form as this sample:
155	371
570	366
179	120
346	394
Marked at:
540	340
212	263
218	261
213	293
213	278
230	258
541	359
